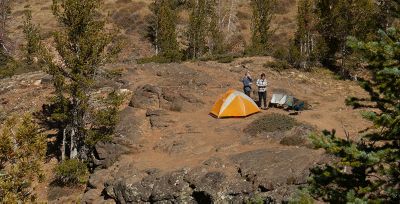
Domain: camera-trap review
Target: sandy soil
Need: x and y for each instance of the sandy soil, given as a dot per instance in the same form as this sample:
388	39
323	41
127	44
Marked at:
205	136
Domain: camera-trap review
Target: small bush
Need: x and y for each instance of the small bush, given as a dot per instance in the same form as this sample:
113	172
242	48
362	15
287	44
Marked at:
157	59
71	172
271	123
301	197
226	59
278	65
281	53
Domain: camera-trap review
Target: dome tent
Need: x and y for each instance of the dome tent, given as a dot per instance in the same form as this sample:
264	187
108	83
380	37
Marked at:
234	104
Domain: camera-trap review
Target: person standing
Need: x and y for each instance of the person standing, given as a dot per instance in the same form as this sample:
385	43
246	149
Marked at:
262	90
247	81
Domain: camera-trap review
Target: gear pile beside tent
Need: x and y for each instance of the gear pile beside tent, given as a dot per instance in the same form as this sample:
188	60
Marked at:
290	102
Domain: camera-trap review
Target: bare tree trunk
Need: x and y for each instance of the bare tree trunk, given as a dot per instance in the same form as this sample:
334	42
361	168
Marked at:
63	144
74	128
156	41
74	146
301	48
220	19
231	15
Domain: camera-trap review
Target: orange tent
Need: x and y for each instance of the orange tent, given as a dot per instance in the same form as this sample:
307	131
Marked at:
234	104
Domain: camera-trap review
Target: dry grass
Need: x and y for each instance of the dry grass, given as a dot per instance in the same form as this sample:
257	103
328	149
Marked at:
284	6
129	17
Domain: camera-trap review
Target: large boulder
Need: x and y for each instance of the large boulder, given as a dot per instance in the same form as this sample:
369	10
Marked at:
107	153
273	173
154	188
146	97
130	128
269	169
183	186
127	138
160	118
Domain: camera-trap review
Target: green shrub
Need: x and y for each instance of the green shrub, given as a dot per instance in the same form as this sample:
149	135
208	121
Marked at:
258	199
13	67
271	123
301	197
223	58
155	59
281	53
278	65
226	59
71	172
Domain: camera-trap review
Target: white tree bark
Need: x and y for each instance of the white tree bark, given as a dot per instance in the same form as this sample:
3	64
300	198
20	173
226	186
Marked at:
73	147
156	41
63	145
231	15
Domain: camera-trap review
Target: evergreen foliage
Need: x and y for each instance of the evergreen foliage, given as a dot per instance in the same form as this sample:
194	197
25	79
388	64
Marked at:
83	46
261	26
162	30
22	151
339	19
32	37
197	30
5	57
367	169
71	172
216	37
306	36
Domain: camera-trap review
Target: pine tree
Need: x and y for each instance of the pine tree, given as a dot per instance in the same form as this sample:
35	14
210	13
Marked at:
197	30
216	37
162	30
339	19
261	26
367	169
83	46
5	58
305	37
32	37
389	10
22	151
167	39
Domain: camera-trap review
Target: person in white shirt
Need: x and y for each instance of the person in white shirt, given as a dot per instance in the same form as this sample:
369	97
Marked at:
262	90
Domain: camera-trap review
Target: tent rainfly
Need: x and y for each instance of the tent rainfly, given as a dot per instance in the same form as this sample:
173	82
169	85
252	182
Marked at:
234	104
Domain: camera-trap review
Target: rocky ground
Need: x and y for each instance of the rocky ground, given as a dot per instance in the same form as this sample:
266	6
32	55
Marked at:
168	149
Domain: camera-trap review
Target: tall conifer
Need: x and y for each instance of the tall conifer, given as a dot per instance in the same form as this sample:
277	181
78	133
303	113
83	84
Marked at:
261	26
83	46
197	30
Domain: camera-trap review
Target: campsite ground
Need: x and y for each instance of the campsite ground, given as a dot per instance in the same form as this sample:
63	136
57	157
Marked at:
174	130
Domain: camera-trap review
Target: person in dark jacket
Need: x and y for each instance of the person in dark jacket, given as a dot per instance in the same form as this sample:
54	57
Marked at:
247	81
